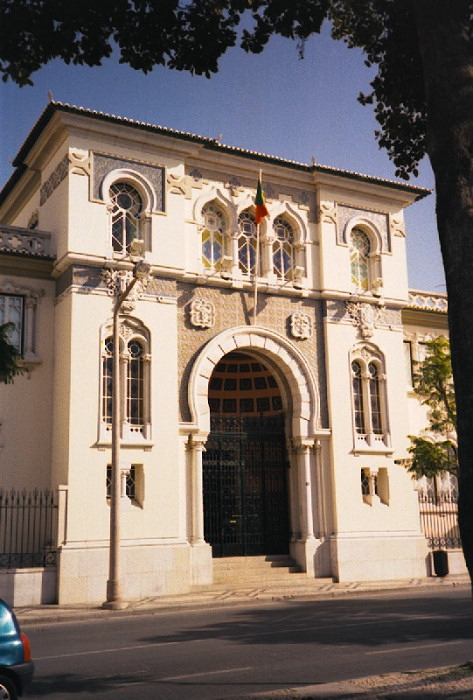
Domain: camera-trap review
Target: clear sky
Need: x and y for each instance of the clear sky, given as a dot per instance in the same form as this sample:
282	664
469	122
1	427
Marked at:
273	103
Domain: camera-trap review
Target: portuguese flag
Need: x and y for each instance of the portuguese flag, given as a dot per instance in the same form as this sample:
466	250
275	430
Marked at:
260	207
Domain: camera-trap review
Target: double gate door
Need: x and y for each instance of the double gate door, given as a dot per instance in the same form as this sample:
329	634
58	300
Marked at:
245	486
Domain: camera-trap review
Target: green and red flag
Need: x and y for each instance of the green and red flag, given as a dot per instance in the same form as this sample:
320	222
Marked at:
260	207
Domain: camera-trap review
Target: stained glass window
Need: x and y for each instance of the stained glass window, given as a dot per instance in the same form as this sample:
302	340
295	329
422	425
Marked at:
360	251
213	236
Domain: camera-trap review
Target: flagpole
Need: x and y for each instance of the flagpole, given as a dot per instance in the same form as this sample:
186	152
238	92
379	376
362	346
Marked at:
255	301
255	304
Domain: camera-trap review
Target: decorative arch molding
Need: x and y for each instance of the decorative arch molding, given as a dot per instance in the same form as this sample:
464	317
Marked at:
366	351
298	223
134	178
287	362
371	230
215	195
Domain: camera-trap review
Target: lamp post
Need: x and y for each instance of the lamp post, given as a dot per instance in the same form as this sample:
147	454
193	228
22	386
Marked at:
115	600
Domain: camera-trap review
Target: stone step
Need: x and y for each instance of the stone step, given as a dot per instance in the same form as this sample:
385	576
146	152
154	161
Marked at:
258	570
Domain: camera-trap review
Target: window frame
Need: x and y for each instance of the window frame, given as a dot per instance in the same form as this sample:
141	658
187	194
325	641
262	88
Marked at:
135	390
370	418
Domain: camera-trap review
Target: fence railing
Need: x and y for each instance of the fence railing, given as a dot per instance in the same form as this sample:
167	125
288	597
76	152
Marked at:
28	528
439	520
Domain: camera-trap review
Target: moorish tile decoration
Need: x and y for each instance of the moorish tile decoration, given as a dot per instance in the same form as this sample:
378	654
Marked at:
102	165
301	325
202	313
379	220
55	179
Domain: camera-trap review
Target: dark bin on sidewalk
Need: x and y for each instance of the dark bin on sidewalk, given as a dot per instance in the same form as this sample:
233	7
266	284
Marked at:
440	562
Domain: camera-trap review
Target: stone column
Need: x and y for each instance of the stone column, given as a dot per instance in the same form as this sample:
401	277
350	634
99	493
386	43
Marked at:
196	447
305	489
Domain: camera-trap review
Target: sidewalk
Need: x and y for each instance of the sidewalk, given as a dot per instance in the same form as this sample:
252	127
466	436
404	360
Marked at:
228	594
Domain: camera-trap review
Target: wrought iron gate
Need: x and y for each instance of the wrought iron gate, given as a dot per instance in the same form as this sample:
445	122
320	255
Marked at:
245	486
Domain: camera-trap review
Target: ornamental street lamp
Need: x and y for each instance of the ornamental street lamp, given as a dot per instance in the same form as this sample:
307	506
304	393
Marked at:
141	271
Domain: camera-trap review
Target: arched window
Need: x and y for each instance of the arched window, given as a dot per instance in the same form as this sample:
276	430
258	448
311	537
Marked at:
213	233
359	258
135	384
135	388
283	249
358	404
127	206
370	420
247	243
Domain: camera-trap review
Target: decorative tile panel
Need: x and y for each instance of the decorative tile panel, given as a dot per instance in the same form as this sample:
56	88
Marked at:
102	165
54	180
379	220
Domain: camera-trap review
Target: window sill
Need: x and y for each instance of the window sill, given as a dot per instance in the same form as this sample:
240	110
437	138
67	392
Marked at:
363	447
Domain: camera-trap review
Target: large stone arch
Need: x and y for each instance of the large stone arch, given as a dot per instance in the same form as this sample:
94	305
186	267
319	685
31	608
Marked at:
282	356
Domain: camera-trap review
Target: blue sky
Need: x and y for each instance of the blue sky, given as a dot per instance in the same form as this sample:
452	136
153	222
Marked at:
273	102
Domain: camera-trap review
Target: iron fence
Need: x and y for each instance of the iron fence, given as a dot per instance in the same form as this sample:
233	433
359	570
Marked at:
28	528
439	520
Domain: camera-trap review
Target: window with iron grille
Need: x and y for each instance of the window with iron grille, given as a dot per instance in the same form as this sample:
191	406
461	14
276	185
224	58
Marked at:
247	243
127	206
283	249
12	311
130	482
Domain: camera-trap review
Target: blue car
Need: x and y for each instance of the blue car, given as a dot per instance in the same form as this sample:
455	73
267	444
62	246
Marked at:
16	666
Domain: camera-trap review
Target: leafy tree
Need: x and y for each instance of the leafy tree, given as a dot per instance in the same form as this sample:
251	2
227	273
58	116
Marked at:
422	96
433	383
9	356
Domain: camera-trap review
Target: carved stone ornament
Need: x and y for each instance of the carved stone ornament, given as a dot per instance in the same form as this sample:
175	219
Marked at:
202	313
79	163
301	325
328	212
364	316
117	281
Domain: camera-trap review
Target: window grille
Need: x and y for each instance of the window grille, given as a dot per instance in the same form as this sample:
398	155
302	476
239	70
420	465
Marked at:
283	249
12	311
127	206
247	243
375	403
135	384
130	484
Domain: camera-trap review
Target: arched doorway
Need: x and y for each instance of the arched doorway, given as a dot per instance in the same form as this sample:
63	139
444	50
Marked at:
245	465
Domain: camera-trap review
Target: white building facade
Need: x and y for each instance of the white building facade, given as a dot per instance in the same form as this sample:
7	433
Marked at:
264	392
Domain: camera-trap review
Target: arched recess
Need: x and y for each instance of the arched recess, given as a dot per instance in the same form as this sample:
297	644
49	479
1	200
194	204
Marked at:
215	195
371	230
133	178
289	365
296	221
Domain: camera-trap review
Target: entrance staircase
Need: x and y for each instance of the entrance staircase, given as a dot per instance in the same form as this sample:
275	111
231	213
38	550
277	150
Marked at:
259	571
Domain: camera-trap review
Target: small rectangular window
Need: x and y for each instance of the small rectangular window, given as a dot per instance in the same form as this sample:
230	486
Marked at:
408	361
12	311
130	482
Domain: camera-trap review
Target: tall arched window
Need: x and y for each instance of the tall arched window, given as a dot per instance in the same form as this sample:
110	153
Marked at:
135	394
247	243
359	258
127	206
283	249
213	234
358	403
135	414
370	419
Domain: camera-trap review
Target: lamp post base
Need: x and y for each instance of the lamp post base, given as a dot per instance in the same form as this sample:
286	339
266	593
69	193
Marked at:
114	605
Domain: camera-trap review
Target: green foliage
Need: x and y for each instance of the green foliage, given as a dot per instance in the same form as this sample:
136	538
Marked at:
433	383
9	356
193	35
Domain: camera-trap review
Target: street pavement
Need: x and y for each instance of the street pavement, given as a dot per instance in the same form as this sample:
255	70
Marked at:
435	683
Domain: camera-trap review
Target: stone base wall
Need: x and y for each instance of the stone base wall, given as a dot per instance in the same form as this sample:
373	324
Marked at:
373	557
146	570
28	586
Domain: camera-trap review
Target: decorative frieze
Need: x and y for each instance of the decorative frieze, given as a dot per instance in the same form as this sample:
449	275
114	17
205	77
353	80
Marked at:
366	317
301	325
202	313
54	180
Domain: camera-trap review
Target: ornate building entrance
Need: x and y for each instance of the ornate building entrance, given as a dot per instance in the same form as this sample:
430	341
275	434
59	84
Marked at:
245	464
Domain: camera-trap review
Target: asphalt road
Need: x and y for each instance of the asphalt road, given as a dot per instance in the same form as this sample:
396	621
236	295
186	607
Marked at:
237	651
